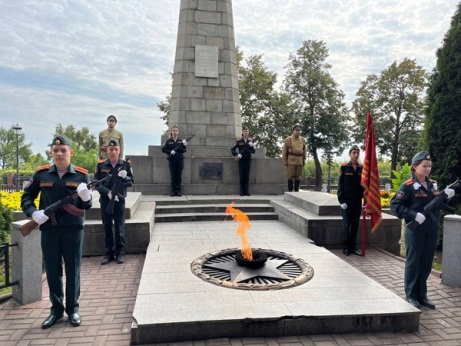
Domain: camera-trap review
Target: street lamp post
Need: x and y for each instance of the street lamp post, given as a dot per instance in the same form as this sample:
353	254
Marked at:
17	131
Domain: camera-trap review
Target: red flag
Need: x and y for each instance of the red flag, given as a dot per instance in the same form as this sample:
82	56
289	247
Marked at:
370	177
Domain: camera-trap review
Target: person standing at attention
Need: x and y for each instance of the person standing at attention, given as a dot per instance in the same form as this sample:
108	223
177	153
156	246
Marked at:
175	147
350	194
106	135
61	240
245	148
294	157
113	220
408	204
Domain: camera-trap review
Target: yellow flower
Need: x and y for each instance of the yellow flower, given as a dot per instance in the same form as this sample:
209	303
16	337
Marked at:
13	199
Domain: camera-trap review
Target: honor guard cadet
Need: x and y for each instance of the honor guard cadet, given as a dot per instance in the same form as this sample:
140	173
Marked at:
175	147
408	204
61	236
106	135
245	149
112	199
350	194
294	157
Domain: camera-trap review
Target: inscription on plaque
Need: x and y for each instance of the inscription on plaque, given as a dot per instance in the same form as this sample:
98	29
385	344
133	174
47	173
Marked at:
206	61
210	171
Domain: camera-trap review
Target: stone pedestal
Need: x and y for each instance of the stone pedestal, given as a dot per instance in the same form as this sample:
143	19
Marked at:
451	258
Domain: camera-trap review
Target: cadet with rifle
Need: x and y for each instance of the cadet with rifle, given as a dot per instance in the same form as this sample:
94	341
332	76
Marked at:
409	204
243	149
61	234
175	147
112	200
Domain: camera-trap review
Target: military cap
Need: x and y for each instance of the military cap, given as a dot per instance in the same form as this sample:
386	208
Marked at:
111	117
422	155
296	126
61	140
113	143
245	128
354	147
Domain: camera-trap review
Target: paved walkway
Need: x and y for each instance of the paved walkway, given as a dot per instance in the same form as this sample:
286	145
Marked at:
108	297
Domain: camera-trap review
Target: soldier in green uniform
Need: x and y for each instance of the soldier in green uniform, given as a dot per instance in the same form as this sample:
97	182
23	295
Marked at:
350	194
245	148
408	204
64	240
294	157
106	135
175	147
113	220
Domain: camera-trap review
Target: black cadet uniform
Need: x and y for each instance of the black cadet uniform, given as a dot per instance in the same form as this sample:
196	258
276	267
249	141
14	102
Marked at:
350	191
176	164
244	163
114	223
64	240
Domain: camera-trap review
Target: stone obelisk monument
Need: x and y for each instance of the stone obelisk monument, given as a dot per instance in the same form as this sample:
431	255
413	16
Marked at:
205	101
205	96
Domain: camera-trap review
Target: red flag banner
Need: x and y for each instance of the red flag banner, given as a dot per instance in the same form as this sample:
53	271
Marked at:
370	177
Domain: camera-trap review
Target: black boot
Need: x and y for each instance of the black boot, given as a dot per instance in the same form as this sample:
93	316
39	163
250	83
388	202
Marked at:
247	189
297	183
290	185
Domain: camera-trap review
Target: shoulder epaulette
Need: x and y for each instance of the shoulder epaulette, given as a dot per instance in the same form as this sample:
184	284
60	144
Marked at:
101	161
41	168
344	164
409	182
81	170
432	181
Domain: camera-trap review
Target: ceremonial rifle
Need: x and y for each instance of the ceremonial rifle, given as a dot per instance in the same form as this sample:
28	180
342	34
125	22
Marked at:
115	190
177	147
64	203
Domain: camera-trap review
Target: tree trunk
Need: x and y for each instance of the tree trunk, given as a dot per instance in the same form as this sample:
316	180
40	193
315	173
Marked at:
318	171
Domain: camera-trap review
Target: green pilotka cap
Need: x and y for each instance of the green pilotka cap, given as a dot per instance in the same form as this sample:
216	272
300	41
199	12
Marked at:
422	155
61	140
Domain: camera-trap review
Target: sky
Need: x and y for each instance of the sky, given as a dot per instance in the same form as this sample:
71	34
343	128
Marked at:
75	62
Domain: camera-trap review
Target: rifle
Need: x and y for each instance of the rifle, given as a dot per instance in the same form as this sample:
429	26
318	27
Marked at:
237	159
177	147
115	190
436	203
64	203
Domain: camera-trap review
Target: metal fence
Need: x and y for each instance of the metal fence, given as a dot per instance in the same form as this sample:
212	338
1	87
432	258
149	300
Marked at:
5	265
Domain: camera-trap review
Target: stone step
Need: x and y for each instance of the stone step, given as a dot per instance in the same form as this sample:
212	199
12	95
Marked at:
185	217
222	200
211	208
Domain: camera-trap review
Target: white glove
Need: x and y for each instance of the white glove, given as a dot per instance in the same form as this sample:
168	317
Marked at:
420	218
251	144
239	156
343	206
83	192
173	152
39	216
184	142
109	194
449	192
122	174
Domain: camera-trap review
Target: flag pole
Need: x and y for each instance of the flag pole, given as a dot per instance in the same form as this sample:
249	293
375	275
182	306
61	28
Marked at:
364	229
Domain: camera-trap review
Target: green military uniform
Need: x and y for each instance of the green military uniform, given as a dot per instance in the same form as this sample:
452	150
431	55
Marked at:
105	136
113	223
64	240
294	157
409	200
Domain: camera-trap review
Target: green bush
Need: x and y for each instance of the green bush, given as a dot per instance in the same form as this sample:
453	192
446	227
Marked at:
6	219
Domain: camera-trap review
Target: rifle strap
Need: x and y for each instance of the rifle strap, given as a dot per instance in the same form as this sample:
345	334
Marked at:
73	210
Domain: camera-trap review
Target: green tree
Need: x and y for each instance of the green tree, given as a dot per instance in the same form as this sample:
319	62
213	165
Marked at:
8	148
84	145
319	102
33	162
442	132
396	100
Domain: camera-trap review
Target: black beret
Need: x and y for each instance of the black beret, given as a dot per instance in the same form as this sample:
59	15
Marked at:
111	117
297	125
61	140
113	143
422	155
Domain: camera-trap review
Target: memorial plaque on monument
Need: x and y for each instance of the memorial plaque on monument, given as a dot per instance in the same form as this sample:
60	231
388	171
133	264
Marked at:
210	170
206	61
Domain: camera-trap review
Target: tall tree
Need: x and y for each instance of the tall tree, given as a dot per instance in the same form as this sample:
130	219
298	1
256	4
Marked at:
442	132
319	102
8	141
396	100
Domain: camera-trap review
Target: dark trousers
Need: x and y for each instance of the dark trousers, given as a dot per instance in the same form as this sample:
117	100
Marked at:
351	217
114	227
244	175
63	243
420	249
176	168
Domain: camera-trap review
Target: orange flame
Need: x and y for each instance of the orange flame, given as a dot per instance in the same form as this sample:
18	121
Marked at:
244	225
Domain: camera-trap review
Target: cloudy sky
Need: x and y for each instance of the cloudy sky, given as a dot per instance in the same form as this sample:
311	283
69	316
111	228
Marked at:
77	61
